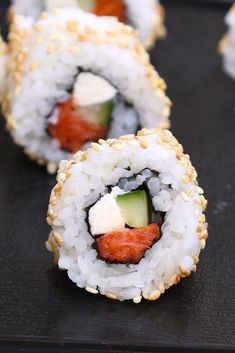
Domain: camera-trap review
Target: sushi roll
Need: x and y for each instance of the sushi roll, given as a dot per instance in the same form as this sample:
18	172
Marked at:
127	216
3	59
146	16
73	78
227	44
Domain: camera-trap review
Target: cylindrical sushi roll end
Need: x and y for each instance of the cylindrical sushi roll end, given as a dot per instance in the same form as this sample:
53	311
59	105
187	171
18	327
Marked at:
127	216
147	17
88	99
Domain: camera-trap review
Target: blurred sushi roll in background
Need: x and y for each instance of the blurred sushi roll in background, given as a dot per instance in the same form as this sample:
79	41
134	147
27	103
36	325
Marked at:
73	77
147	16
127	216
227	44
3	59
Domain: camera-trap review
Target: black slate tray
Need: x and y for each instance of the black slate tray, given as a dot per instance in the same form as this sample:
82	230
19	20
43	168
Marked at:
42	311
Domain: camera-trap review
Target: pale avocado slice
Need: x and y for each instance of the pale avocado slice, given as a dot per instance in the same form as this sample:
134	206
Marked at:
134	207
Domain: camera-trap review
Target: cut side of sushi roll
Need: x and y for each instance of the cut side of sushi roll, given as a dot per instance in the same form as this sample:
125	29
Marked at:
73	78
127	216
86	115
227	44
146	16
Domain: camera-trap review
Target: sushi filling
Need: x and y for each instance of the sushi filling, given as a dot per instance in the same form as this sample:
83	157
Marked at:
124	222
94	110
114	8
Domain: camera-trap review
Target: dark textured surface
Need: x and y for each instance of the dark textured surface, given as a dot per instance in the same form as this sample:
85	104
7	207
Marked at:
42	311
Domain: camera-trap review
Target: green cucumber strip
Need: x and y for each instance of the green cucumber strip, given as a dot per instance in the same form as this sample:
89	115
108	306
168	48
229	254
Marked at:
134	207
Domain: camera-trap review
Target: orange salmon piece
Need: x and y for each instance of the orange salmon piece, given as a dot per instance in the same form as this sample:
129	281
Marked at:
72	130
127	245
111	8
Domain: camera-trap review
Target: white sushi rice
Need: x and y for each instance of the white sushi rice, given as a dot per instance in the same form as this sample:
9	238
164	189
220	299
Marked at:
31	8
52	50
125	120
145	16
84	180
227	44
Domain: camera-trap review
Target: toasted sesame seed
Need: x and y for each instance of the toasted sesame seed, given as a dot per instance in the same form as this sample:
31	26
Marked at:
204	235
186	179
127	137
74	49
11	124
145	295
111	296
50	49
202	244
78	155
203	218
49	246
44	15
204	205
124	42
145	132
154	295
39	39
118	146
17	77
49	221
184	272
143	144
84	155
185	197
51	167
62	177
198	202
160	93
33	66
168	133
133	143
164	125
178	278
92	290
57	188
37	27
95	146
58	238
199	190
190	192
161	287
172	280
53	201
166	111
54	215
137	299
199	228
